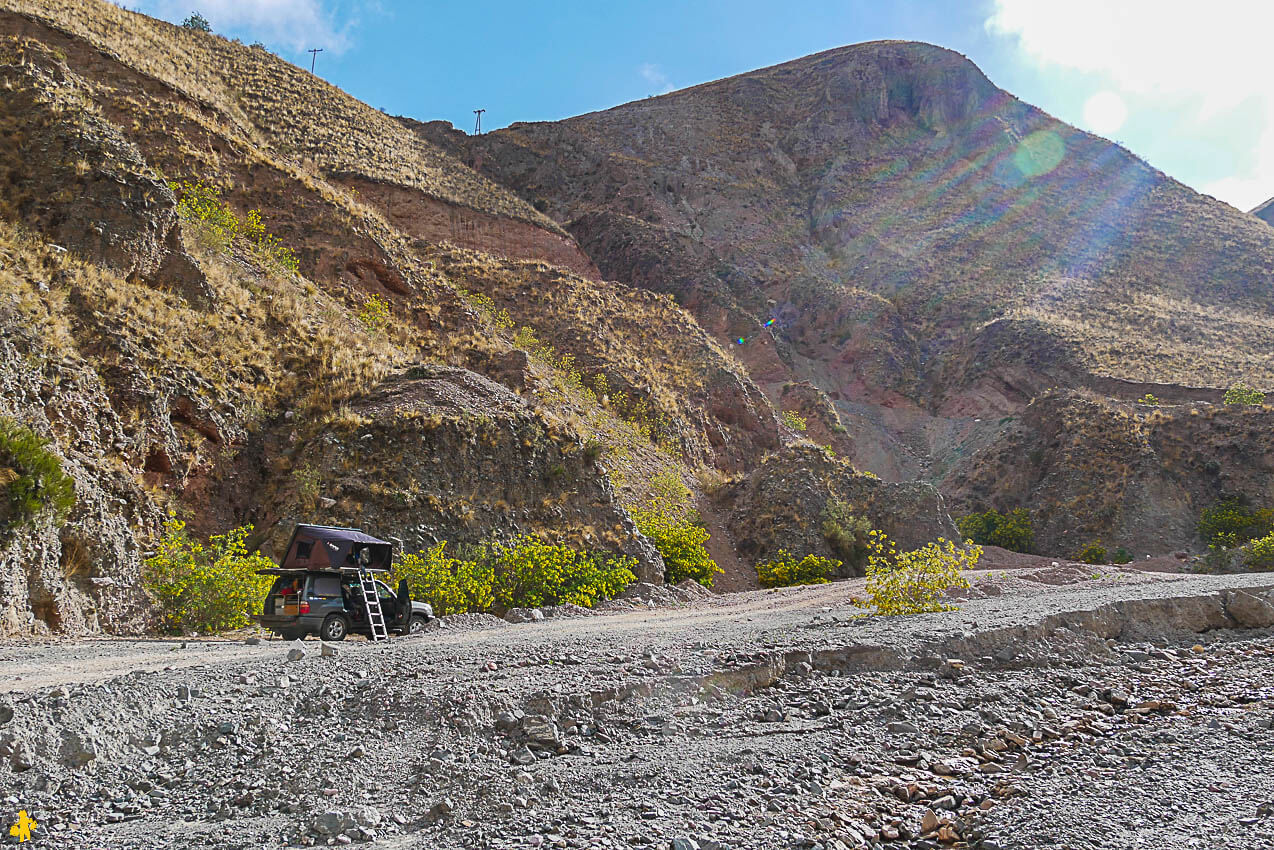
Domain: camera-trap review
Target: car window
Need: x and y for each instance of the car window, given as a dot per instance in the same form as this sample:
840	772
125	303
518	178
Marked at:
286	586
384	591
325	586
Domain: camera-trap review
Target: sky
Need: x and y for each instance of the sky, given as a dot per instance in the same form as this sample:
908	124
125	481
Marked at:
1184	85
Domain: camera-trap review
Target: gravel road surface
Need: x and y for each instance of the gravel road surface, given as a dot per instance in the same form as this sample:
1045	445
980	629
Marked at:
1068	707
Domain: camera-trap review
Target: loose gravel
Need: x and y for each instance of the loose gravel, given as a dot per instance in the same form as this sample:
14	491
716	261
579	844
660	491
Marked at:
1055	709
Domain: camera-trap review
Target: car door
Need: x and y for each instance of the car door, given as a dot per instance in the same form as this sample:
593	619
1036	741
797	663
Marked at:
396	616
404	606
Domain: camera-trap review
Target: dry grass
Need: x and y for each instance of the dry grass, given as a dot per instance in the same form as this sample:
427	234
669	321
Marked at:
276	105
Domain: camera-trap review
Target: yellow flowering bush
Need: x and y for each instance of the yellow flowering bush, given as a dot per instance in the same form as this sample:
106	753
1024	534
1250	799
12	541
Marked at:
530	573
375	314
202	206
794	420
526	573
206	588
785	570
1260	553
914	582
450	585
670	523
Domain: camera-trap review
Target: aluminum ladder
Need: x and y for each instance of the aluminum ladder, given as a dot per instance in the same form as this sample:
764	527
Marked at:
371	601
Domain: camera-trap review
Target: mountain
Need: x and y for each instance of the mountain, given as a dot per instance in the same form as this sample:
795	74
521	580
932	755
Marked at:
1265	212
532	331
929	252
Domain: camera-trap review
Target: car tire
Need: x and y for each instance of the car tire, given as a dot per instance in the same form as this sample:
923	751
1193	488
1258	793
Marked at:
335	628
417	625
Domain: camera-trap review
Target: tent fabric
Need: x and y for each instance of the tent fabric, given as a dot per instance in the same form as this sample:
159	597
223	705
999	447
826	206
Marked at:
322	547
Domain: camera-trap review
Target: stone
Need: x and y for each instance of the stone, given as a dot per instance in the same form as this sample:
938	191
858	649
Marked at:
296	652
252	641
77	751
327	650
1250	612
332	822
541	732
441	809
902	727
685	844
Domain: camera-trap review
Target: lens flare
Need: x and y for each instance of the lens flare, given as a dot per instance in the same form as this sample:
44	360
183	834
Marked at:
1105	113
1039	153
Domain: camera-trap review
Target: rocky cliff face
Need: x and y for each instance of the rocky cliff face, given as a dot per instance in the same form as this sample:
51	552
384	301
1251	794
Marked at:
782	504
921	248
172	371
1127	474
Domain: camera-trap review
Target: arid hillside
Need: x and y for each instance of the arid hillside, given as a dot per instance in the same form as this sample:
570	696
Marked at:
382	337
882	225
233	293
914	236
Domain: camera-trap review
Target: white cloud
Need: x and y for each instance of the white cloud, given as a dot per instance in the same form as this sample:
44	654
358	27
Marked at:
294	24
654	75
1203	59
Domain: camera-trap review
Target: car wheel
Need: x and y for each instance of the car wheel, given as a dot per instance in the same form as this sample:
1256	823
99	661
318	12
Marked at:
335	628
417	625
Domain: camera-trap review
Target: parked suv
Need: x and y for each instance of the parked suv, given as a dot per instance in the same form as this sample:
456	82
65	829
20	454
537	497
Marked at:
317	590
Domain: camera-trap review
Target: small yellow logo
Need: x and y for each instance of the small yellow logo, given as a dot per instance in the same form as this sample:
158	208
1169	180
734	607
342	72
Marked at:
22	829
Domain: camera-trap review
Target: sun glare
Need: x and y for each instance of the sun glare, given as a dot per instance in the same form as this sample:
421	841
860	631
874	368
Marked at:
1105	113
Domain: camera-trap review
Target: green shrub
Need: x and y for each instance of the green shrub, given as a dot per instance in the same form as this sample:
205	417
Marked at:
794	420
1121	556
197	22
671	524
1013	530
450	585
785	571
206	588
1260	554
525	573
1241	393
914	582
530	573
1148	398
31	477
846	534
1232	522
1093	553
1217	560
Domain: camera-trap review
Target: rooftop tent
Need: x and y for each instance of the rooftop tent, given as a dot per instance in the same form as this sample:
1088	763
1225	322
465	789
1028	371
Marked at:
324	547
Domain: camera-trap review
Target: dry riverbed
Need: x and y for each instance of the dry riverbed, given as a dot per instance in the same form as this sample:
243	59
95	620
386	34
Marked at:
1066	707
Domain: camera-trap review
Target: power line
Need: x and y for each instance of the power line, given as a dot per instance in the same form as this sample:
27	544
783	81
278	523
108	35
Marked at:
477	125
314	56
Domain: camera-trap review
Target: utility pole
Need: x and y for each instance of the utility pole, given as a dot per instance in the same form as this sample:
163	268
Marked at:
477	125
314	56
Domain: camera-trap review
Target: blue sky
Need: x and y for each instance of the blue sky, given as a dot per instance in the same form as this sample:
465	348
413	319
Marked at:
1182	84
